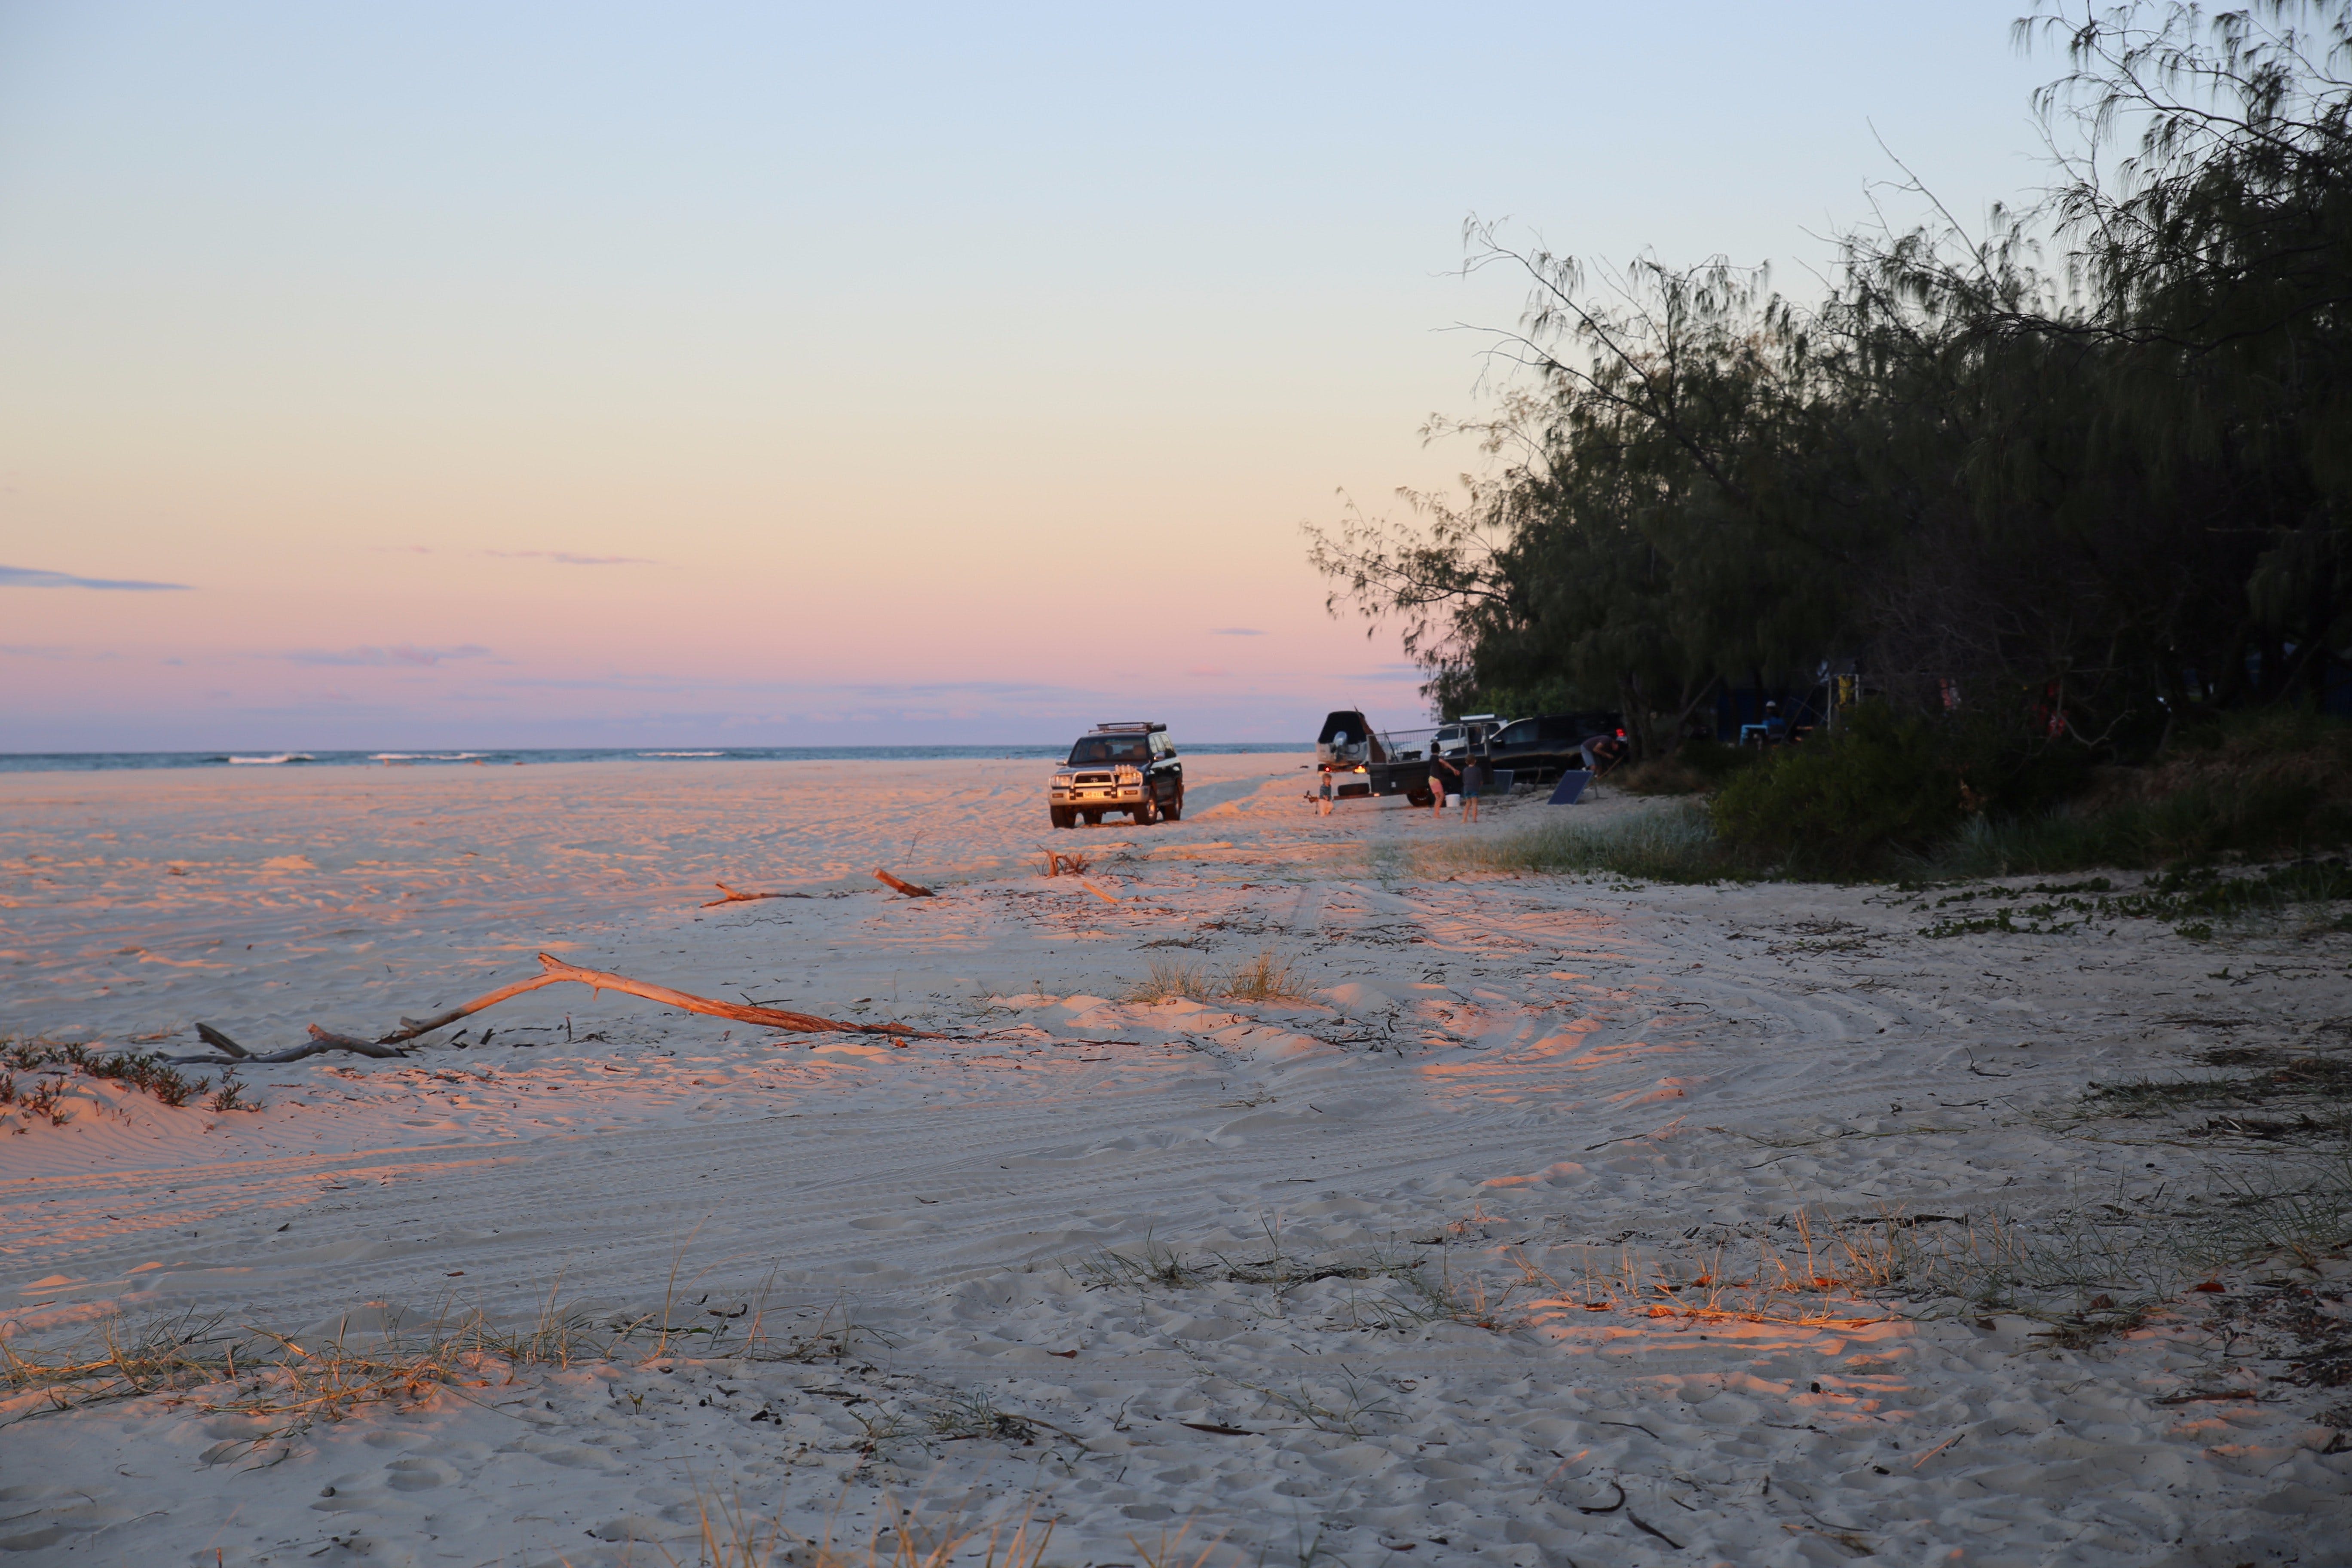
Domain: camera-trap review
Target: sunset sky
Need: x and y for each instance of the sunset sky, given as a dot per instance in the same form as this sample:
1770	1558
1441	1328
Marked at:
587	375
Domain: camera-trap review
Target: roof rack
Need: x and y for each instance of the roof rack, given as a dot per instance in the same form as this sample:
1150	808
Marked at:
1129	727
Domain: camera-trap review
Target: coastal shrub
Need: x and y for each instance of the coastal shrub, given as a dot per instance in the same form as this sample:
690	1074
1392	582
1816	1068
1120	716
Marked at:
2265	784
231	1095
144	1070
1840	806
1660	775
1716	763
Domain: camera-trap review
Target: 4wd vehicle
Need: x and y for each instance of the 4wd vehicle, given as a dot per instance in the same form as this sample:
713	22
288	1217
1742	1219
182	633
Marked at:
1129	767
1539	749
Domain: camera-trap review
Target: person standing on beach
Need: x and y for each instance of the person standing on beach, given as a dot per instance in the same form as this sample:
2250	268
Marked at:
1440	772
1472	770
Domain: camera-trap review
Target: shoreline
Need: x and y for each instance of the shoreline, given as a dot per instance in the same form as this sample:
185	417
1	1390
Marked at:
546	756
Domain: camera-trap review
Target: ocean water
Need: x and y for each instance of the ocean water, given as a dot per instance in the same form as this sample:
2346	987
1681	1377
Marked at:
110	762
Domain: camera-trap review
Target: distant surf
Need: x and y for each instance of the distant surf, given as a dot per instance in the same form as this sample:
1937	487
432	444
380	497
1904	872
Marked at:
110	762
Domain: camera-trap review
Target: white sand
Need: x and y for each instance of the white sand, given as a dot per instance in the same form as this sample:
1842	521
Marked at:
1491	1069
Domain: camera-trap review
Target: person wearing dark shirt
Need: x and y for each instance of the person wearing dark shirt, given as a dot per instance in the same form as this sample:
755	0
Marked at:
1602	752
1445	779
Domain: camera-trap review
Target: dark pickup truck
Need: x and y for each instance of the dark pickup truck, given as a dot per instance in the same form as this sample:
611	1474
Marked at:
1539	749
1369	762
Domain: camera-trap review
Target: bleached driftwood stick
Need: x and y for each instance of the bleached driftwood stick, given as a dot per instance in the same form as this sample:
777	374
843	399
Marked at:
558	973
735	898
910	888
411	1027
774	1018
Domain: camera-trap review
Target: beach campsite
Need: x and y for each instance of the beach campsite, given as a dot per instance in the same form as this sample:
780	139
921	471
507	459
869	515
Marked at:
768	798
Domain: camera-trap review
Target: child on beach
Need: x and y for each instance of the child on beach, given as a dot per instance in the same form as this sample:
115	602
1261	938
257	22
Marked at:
1472	768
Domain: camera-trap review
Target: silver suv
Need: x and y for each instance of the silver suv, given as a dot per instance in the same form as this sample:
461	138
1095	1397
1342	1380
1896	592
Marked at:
1129	767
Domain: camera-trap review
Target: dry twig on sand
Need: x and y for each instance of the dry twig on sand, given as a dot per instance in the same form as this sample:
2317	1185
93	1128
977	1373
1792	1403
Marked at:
558	972
735	898
1057	862
1097	892
912	889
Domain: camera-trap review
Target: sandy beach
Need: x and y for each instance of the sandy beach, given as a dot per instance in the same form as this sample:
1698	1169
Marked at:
1367	1267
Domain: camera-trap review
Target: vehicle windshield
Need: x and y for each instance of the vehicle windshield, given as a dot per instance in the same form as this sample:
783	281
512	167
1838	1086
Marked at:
1111	749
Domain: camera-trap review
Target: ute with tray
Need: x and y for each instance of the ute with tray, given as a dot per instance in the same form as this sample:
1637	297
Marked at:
1365	761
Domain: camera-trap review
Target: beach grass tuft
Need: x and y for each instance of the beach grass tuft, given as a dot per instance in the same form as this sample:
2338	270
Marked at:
1268	977
1265	978
292	1384
1673	843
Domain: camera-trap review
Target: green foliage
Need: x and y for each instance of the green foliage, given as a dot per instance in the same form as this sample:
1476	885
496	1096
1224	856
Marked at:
2093	491
1692	767
140	1070
2263	784
1840	806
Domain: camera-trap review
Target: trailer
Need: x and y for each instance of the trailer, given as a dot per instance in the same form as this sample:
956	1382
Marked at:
1366	761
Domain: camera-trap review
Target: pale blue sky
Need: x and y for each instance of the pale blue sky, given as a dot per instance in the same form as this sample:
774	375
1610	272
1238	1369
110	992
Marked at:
883	344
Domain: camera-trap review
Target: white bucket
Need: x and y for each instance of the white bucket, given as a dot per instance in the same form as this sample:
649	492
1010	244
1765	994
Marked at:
1453	800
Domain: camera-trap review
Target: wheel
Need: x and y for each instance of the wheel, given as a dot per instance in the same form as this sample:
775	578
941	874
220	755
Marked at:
1174	810
1145	811
1420	798
1063	817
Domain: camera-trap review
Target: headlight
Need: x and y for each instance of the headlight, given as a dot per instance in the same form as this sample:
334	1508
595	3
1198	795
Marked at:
1127	775
1064	781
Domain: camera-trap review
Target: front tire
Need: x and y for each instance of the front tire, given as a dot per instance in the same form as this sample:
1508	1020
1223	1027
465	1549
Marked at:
1145	811
1063	817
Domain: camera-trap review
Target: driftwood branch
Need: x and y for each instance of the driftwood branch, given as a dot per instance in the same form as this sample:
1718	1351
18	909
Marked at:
219	1041
558	973
910	888
1057	862
411	1027
774	1018
320	1041
735	898
1097	892
328	1040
